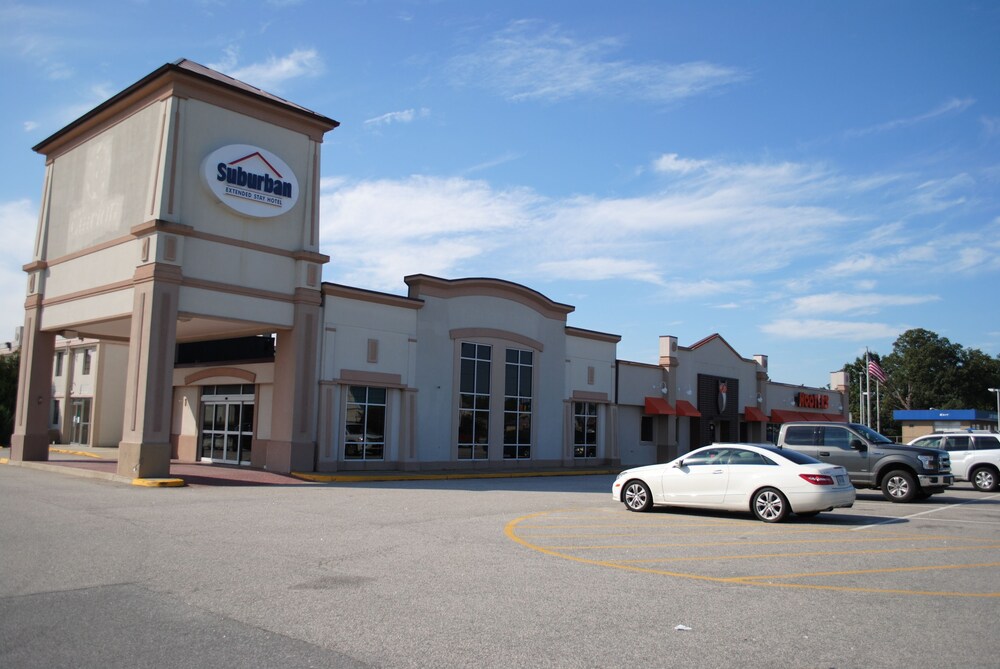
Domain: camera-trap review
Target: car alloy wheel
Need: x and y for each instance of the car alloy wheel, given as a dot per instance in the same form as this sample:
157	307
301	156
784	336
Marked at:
769	505
984	479
636	496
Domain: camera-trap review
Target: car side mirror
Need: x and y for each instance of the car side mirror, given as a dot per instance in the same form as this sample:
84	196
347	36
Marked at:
858	445
679	464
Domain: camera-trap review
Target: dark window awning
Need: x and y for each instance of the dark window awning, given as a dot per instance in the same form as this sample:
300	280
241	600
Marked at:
657	406
753	415
685	408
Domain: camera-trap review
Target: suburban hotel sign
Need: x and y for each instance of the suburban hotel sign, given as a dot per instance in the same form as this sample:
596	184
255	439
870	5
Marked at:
251	180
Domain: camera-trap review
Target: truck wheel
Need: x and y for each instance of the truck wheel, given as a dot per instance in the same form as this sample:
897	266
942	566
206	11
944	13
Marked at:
899	486
984	479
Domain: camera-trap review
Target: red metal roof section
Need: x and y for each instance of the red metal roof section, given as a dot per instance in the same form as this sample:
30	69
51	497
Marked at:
754	415
685	408
657	406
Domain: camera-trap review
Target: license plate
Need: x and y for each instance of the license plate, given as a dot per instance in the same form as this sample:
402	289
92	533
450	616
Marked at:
841	479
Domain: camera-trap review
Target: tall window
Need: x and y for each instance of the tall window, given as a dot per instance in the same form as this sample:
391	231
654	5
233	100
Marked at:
585	430
365	430
474	402
517	405
59	362
87	355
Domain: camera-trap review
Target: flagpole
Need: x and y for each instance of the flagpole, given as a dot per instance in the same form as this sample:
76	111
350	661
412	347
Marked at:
868	390
861	399
878	406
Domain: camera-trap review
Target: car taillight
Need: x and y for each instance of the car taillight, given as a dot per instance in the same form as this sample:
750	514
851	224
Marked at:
817	479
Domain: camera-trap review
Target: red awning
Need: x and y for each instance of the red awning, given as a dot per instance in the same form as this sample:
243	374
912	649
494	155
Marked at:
658	406
754	415
835	418
784	416
685	408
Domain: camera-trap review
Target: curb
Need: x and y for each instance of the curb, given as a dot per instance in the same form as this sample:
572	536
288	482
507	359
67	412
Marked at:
91	474
393	476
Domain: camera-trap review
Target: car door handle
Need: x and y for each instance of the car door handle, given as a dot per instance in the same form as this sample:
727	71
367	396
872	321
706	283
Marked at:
718	471
824	452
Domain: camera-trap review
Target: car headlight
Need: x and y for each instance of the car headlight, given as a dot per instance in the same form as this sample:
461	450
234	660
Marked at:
621	475
929	461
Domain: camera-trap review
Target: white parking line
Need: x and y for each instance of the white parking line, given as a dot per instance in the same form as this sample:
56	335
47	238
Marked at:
923	513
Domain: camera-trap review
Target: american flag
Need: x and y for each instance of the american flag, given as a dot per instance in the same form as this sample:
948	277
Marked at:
876	371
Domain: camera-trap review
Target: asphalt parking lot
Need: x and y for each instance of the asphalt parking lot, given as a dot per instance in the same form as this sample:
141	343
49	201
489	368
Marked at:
947	547
539	572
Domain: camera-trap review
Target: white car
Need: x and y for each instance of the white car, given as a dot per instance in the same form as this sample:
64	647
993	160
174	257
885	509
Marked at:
975	456
770	482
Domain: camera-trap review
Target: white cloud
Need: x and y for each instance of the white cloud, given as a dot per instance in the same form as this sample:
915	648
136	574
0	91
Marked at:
816	330
532	61
275	71
953	106
858	304
732	231
601	269
405	116
991	126
671	162
18	224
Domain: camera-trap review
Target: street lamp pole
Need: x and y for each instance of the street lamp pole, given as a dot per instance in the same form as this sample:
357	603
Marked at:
997	391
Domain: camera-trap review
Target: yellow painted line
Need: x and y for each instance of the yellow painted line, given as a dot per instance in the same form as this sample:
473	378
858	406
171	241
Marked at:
510	530
890	570
4	461
761	556
66	451
712	544
159	483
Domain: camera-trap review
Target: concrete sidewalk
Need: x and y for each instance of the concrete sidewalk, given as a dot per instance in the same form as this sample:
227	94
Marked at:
102	463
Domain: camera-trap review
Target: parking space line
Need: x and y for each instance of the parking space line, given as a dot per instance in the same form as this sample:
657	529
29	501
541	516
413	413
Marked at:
712	544
514	527
902	519
890	570
710	558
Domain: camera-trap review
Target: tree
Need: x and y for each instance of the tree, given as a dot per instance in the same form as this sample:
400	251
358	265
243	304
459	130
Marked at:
923	369
9	366
927	371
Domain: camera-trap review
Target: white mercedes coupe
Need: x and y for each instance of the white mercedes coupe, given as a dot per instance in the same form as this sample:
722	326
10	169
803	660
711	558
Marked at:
767	481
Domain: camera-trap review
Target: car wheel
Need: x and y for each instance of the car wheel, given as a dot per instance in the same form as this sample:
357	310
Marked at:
769	505
984	479
899	486
636	496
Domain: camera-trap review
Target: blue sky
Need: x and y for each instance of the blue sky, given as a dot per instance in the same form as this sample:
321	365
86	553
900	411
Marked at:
807	179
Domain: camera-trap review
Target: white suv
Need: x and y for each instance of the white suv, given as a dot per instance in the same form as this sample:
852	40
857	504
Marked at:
975	456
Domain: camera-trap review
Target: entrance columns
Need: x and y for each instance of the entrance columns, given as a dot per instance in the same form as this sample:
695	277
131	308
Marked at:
292	446
30	440
144	451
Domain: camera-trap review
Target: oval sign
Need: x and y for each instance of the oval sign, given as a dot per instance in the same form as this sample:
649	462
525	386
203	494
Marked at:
251	180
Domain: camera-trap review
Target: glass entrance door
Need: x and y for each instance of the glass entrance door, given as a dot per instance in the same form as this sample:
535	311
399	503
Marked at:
227	424
80	432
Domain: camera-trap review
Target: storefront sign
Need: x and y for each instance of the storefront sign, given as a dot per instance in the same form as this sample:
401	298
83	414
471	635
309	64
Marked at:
811	401
251	180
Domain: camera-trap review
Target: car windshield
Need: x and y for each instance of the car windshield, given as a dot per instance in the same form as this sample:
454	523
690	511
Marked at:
871	435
